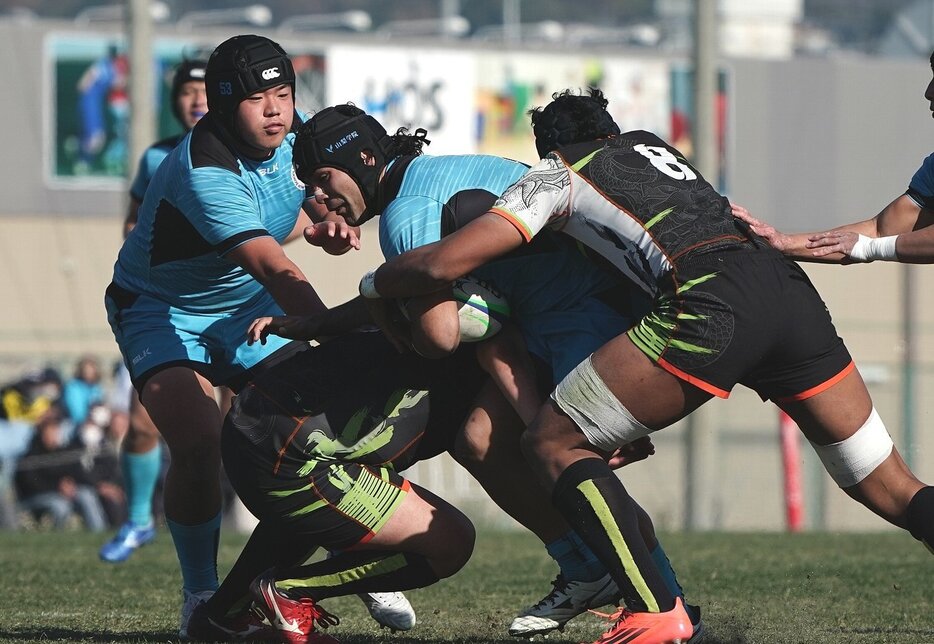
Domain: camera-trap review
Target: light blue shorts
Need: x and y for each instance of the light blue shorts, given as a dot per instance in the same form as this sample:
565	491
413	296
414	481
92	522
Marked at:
563	338
154	336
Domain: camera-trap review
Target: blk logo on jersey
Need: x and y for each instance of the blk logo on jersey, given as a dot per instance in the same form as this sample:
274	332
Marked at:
264	171
269	74
145	353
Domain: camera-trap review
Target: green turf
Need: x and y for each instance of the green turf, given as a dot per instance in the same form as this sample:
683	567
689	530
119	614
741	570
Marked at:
767	588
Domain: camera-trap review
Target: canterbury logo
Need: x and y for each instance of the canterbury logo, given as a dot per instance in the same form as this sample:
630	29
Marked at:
269	74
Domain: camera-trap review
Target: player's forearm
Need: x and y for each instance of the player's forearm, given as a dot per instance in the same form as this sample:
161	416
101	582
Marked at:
293	293
344	317
804	246
434	325
915	247
795	246
412	273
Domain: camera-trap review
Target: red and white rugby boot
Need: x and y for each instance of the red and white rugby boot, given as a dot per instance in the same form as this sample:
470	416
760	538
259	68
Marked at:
295	619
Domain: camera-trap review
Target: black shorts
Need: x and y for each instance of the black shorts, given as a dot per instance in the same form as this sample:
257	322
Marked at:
748	316
317	442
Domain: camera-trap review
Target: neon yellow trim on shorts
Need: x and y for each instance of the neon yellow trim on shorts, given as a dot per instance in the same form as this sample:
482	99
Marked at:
687	286
278	494
308	509
371	501
688	347
390	564
647	341
605	516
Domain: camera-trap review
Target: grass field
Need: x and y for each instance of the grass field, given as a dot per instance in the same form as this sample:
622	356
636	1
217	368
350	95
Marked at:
767	588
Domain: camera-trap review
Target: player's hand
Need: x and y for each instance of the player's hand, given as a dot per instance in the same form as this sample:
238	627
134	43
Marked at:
638	450
293	327
831	242
777	240
335	237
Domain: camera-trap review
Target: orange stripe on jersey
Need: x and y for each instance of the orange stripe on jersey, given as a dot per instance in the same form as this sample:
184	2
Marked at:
694	380
518	223
824	386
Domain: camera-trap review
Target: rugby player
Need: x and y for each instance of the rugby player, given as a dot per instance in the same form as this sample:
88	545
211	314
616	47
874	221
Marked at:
727	309
564	305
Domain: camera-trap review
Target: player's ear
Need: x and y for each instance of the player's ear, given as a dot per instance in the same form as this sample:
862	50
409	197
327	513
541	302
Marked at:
367	156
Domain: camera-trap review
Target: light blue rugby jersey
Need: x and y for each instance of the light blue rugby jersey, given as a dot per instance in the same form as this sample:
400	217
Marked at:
921	188
203	201
431	196
427	192
149	162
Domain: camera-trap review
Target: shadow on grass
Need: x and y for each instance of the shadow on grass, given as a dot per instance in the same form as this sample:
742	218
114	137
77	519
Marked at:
724	636
141	637
76	635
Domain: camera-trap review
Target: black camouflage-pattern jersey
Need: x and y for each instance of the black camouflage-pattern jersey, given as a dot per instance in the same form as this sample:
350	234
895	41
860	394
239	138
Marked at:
632	193
354	399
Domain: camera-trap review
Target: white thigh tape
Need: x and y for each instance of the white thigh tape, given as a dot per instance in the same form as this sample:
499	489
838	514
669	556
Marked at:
584	397
850	461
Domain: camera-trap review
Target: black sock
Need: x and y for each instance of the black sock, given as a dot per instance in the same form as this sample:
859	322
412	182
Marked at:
921	516
364	571
270	544
595	503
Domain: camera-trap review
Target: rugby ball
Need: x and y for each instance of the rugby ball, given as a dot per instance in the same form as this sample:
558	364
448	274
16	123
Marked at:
481	310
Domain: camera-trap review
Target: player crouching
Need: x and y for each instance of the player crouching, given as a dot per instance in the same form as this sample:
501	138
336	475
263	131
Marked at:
314	447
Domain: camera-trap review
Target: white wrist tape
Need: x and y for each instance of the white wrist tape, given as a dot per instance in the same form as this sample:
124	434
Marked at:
850	461
868	249
368	286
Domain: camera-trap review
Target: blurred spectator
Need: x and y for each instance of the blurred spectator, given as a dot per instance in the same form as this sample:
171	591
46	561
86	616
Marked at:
15	436
22	403
50	478
125	418
118	398
101	438
28	398
83	389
